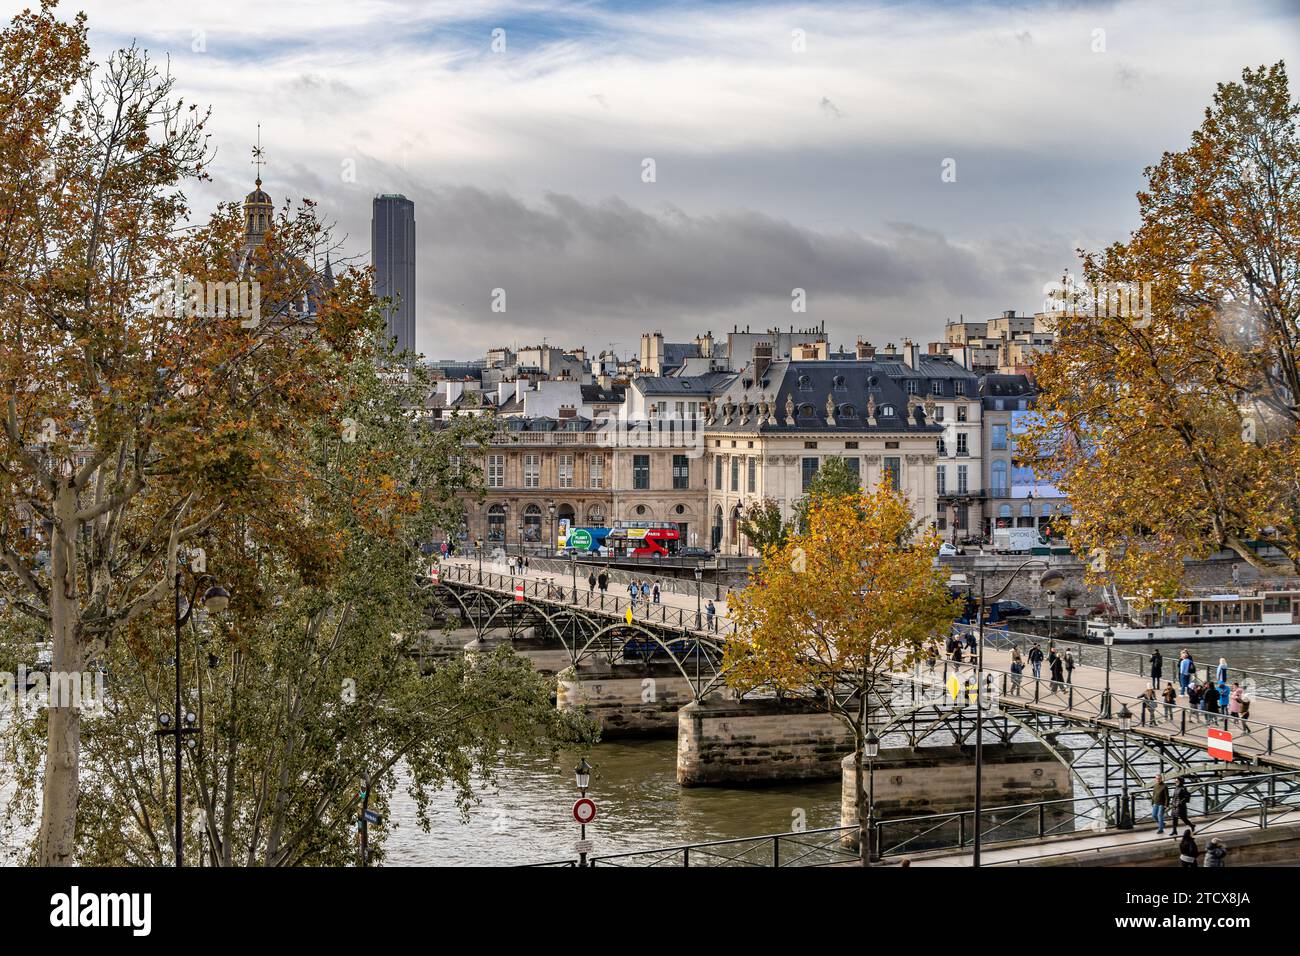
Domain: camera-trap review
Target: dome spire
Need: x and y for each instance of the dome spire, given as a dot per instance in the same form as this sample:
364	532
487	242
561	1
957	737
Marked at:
259	157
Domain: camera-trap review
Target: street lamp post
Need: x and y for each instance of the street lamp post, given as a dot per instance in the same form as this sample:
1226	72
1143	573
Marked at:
1125	724
550	509
478	546
699	577
871	748
216	599
582	777
573	565
1108	638
519	528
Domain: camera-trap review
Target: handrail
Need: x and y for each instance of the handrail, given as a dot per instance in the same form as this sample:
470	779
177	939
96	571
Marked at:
1138	662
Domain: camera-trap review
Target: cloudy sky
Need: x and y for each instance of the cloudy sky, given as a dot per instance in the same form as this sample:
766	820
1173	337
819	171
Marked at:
793	146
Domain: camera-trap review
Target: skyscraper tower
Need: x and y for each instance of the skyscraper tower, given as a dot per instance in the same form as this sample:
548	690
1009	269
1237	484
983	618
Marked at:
392	252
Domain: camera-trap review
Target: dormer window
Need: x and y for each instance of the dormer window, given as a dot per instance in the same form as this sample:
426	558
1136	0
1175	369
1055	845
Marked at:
805	383
887	411
807	411
848	411
839	382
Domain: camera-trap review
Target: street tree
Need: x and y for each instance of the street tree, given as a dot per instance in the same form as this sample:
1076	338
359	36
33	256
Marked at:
1171	425
762	523
839	607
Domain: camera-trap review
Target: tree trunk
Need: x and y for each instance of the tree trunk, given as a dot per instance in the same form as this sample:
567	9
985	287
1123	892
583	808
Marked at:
63	747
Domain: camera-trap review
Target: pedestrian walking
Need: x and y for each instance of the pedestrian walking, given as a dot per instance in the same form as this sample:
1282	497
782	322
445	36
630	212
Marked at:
1221	674
1017	669
1245	709
1215	853
1187	850
1209	699
591	582
1182	798
527	565
1170	697
645	591
1058	673
1036	660
1159	802
602	582
1157	667
1184	673
656	592
1148	699
1069	667
1194	698
709	612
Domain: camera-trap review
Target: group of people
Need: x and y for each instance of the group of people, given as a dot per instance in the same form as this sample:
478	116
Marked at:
1060	666
645	590
518	564
1211	696
1172	805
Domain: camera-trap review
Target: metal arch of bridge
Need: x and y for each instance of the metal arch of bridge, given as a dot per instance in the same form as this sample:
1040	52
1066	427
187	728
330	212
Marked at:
697	658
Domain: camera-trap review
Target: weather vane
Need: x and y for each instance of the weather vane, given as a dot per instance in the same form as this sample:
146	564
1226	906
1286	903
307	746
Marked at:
258	155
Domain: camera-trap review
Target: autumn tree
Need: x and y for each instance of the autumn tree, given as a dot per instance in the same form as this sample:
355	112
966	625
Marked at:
839	607
130	426
1172	427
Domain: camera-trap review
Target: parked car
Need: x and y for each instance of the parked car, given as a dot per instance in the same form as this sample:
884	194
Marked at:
1012	609
694	553
948	550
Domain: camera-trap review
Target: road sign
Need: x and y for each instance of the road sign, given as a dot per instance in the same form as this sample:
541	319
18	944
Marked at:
584	811
519	593
580	538
628	616
1219	744
582	846
372	817
434	573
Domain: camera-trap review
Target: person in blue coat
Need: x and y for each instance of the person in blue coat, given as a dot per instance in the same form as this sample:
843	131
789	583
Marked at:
1184	673
1221	674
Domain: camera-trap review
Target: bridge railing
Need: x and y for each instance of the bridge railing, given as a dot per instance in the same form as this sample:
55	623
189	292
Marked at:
559	594
821	847
1251	797
1252	736
1283	687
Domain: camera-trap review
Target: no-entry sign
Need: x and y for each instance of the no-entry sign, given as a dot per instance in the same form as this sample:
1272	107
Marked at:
1219	744
584	811
519	593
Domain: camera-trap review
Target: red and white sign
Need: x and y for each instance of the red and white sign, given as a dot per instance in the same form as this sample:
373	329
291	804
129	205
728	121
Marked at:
519	593
434	573
584	811
1219	744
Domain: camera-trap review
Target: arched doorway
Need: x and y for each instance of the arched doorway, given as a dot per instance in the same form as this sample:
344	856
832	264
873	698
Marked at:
717	528
735	527
496	524
532	524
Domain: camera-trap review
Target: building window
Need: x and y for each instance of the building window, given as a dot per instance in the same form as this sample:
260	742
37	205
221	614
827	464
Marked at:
681	472
958	386
913	386
855	465
735	472
998	479
810	444
455	465
641	472
497	472
961	444
936	386
532	471
886	411
809	472
961	480
597	471
938	413
999	440
941	479
717	472
751	478
940	447
893	472
961	413
566	471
